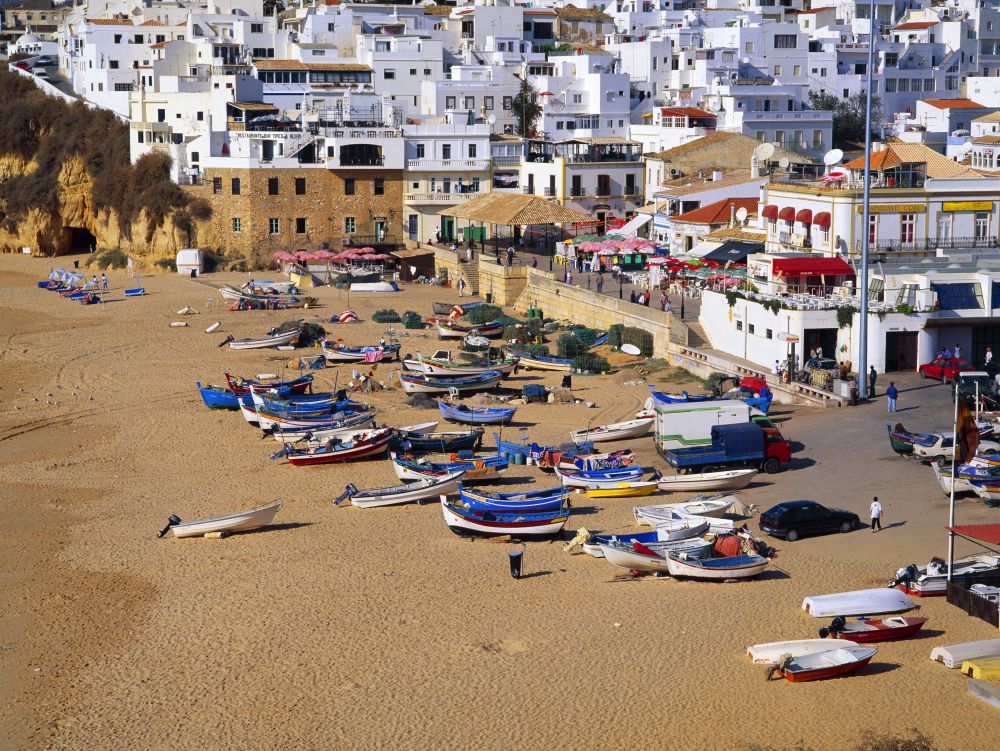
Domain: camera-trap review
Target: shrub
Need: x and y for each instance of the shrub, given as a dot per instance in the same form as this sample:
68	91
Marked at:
110	259
615	335
412	320
640	338
386	316
167	263
592	363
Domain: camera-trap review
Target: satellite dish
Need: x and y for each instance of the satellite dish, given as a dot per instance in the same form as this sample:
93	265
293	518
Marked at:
741	214
764	152
784	162
832	157
963	151
631	349
491	119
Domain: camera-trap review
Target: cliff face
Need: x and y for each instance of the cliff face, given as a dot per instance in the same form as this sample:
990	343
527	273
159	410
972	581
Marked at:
73	225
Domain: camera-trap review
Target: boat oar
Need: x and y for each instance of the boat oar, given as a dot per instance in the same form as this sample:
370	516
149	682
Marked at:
348	492
171	521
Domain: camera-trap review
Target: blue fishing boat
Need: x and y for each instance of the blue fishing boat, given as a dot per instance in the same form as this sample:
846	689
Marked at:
420	383
489	467
514	523
534	450
443	442
295	386
549	499
762	402
475	415
218	397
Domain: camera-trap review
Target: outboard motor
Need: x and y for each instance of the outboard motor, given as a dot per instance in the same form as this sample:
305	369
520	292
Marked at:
349	491
172	520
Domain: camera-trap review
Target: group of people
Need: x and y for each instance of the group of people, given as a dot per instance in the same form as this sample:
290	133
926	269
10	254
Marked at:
95	284
957	352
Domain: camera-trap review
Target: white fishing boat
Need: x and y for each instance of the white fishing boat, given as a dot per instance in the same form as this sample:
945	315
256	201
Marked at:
953	655
616	431
639	560
730	567
932	579
374	287
441	363
276	340
658	541
858	602
710	507
773	652
945	481
345	426
242	522
574	478
428	487
683	528
732	479
716	526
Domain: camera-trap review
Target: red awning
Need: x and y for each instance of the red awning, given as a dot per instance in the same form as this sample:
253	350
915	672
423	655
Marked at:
988	533
822	220
826	266
787	214
770	211
805	216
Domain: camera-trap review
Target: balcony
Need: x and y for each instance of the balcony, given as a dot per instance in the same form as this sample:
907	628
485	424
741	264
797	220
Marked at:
448	164
549	192
528	190
930	245
507	160
440	197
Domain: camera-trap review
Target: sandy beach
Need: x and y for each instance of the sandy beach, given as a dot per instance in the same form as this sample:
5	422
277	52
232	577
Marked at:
343	628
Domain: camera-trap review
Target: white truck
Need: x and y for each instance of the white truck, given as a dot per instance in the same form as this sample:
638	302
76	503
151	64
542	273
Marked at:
685	424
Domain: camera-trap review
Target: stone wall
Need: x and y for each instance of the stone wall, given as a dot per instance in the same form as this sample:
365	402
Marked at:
505	283
451	263
324	206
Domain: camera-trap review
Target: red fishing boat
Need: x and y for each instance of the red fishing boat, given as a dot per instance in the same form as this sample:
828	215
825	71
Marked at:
814	667
362	444
873	629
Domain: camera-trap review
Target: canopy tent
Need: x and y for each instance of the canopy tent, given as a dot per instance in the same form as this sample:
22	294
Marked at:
734	251
703	248
812	266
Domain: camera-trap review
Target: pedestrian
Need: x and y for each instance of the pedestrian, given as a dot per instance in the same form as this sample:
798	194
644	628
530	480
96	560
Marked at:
667	307
776	368
510	256
663	300
93	281
569	276
437	236
958	351
534	262
468	253
891	394
453	247
600	290
989	355
876	512
946	353
461	287
872	377
631	296
104	286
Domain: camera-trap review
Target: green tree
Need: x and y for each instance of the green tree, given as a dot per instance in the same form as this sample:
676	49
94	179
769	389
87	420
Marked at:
526	110
848	115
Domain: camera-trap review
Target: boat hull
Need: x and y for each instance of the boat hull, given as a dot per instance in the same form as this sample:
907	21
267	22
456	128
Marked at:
880	629
615	432
503	523
708	481
265	342
372	447
818	672
429	488
622	490
243	522
720	569
423	384
859	602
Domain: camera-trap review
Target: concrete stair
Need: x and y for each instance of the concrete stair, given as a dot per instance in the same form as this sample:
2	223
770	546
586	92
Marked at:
471	273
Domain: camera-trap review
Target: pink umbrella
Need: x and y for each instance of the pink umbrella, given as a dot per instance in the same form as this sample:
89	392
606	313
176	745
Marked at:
283	256
366	250
384	257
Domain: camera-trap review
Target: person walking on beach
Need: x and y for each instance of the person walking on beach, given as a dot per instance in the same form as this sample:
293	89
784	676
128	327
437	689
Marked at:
872	377
104	282
891	394
461	287
876	512
600	290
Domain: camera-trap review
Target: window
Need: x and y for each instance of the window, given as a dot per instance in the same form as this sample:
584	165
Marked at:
272	186
300	225
195	157
379	186
872	227
256	28
890	86
777	70
449	103
769	334
796	70
350	226
350	186
472	151
161	116
389	74
446	185
739	325
470	102
200	116
785	41
487	102
300	186
508	102
446	151
413	71
748	47
217	185
959	295
234	186
273	226
125	87
943	226
237	225
907	227
113	64
629	184
411	225
750	328
982	225
604	185
331	27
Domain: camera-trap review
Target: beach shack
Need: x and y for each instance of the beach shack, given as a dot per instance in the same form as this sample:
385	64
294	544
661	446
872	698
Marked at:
190	262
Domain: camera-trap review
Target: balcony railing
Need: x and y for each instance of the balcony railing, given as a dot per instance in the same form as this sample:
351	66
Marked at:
930	244
600	158
439	197
528	190
507	160
577	192
197	179
371	161
455	164
549	192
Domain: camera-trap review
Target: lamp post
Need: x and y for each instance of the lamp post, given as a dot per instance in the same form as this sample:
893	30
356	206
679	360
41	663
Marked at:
865	208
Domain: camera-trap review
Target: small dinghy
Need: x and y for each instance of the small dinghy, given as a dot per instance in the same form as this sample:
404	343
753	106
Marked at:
773	652
639	557
334	352
451	330
428	487
540	362
820	665
732	479
617	431
710	506
358	446
858	602
490	467
241	386
730	567
658	541
323	431
537	500
242	522
421	383
442	364
423	441
279	338
218	397
953	655
475	415
866	630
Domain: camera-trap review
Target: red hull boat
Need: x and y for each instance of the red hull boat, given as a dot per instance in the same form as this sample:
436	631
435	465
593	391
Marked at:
873	629
815	667
376	442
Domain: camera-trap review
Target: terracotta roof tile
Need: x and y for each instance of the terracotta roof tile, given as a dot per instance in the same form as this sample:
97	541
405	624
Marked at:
955	104
719	212
915	25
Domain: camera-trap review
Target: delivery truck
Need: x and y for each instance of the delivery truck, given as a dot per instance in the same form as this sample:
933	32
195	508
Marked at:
734	446
685	424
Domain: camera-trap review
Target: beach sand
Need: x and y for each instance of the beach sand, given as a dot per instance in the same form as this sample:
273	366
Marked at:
343	628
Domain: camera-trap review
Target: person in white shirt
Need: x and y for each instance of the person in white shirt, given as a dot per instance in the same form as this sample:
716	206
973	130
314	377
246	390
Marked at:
776	368
989	355
876	512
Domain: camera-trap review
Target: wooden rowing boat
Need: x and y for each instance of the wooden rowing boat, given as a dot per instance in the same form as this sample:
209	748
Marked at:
241	522
772	653
829	664
858	602
622	489
732	479
427	487
618	431
866	630
730	567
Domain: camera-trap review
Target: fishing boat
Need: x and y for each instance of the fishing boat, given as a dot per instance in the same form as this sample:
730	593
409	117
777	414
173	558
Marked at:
820	665
732	479
450	330
218	397
596	461
490	467
866	630
365	444
278	339
315	436
423	441
761	401
334	352
304	404
269	287
729	567
475	415
539	362
578	478
268	296
945	481
684	527
378	286
240	386
241	522
617	431
707	506
637	558
419	383
427	487
716	526
536	500
455	310
623	489
442	364
774	652
543	456
514	523
932	580
858	602
902	440
659	540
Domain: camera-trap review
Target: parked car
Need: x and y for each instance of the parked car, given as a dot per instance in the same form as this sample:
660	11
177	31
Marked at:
940	447
818	363
44	61
22	65
792	519
945	368
977	384
40	73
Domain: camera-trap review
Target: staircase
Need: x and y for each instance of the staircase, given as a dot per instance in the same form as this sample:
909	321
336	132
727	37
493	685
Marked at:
696	335
471	273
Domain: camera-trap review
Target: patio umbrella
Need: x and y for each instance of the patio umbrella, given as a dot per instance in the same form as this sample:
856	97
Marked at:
283	256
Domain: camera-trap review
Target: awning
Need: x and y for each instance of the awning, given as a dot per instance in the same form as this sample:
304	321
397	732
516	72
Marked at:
733	251
770	211
633	225
988	533
819	266
702	249
822	220
787	214
805	216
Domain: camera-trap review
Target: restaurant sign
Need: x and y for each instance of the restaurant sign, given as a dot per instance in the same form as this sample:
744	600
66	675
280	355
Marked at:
895	208
967	206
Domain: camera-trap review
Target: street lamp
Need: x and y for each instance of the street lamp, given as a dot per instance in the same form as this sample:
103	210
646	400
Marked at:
865	209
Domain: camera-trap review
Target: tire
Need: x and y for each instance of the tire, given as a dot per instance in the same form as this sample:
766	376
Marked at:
792	535
938	460
923	373
944	378
847	526
770	466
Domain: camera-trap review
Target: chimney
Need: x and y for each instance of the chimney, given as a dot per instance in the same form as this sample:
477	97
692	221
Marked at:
732	214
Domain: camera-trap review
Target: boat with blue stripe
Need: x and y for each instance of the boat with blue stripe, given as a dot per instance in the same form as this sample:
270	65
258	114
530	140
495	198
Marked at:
475	415
548	499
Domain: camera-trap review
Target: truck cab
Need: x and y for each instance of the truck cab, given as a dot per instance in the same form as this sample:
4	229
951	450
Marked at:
737	445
